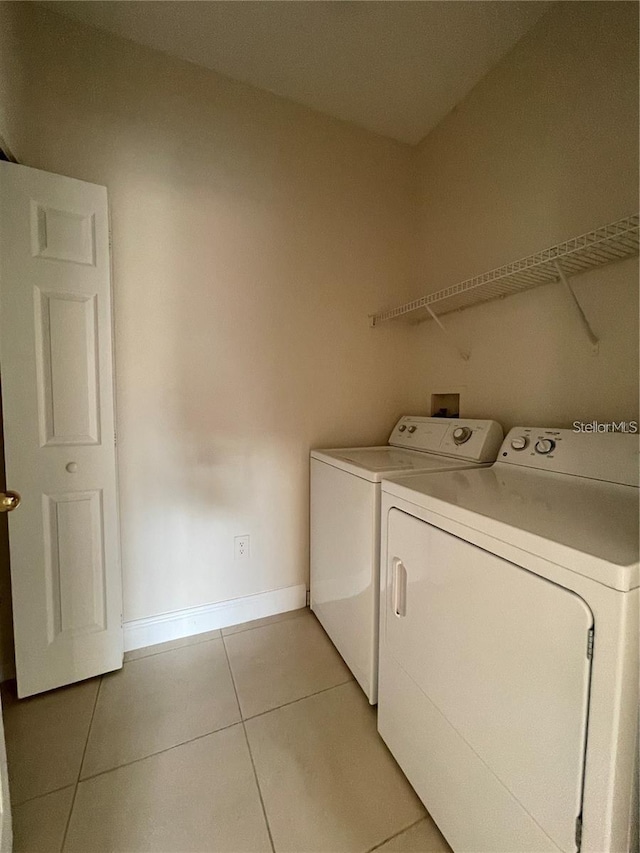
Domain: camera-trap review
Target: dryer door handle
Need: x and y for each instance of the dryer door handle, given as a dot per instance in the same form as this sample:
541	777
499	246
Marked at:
399	588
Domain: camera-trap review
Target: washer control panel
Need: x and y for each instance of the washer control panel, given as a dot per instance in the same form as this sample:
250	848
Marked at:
610	456
474	440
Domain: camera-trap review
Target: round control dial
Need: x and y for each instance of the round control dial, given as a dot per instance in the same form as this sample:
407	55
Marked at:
412	428
461	434
520	442
402	427
545	445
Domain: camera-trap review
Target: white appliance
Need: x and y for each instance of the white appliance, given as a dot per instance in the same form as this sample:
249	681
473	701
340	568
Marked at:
345	523
509	643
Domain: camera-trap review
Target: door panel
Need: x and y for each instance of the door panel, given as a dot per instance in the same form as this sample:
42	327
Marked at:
502	654
66	368
57	387
74	563
63	235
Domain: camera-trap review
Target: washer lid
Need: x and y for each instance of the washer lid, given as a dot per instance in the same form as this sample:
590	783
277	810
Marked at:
588	526
374	463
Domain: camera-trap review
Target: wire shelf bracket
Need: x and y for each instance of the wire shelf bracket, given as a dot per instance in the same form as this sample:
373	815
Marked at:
464	354
608	244
593	340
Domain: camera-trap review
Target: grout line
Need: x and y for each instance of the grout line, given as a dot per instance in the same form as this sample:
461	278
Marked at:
255	773
176	745
159	751
191	740
84	752
246	737
241	721
301	699
233	681
193	642
43	794
285	618
93	713
396	834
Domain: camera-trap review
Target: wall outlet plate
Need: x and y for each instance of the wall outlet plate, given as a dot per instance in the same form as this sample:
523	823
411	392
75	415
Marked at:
241	547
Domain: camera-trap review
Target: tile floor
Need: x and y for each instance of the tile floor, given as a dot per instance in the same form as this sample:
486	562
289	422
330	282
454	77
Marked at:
255	738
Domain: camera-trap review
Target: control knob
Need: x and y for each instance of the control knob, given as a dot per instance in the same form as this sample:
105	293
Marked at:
520	442
545	445
461	434
402	427
412	428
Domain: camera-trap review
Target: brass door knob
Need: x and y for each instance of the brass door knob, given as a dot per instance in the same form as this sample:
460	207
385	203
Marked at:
9	501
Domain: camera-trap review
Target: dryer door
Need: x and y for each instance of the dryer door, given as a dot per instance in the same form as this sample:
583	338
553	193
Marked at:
502	654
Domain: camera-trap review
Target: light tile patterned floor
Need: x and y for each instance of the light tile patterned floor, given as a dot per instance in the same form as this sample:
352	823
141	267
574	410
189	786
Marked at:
255	738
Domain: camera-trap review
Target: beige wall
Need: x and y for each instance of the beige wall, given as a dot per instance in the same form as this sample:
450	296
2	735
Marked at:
253	236
543	149
251	239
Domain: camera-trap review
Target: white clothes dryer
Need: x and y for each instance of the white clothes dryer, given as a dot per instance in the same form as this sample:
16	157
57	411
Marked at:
345	523
509	644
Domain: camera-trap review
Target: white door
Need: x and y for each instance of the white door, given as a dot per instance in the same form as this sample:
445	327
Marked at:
57	393
6	829
503	655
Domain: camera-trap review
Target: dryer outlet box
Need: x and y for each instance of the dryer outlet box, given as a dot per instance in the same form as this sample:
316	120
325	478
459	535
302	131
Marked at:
445	405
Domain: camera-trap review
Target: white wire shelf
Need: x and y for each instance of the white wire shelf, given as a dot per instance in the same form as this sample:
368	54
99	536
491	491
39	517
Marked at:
605	245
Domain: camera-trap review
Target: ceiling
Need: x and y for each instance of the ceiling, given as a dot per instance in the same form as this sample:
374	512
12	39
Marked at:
395	67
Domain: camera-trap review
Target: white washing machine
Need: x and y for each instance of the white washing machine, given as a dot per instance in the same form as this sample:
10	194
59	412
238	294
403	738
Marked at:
509	644
345	523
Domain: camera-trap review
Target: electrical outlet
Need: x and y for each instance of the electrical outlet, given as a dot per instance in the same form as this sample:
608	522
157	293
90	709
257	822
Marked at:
241	547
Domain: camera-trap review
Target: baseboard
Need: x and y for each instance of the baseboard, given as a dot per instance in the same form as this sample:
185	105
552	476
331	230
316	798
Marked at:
196	620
